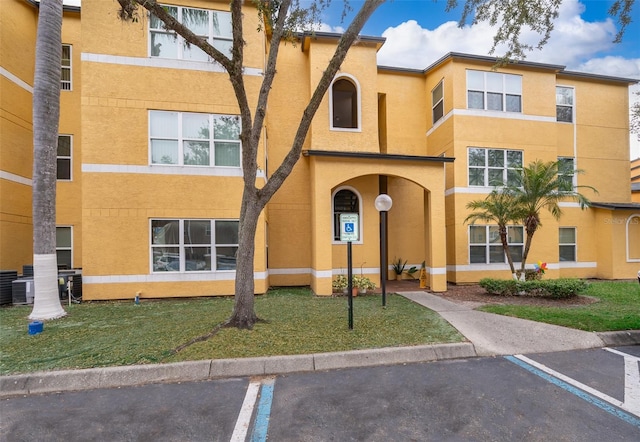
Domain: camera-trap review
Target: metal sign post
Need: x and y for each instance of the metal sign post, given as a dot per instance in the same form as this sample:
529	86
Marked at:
349	231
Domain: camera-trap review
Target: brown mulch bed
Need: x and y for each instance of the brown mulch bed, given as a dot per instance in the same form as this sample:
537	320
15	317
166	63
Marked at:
476	295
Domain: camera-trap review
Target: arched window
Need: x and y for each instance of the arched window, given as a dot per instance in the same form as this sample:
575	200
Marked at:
344	201
344	104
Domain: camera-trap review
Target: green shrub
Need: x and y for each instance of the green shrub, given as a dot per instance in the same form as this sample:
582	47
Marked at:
500	287
552	288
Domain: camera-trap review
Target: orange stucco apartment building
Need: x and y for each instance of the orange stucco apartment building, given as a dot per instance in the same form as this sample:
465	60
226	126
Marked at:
149	176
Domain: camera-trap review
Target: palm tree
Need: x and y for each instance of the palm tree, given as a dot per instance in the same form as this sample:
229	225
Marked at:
541	187
46	113
498	207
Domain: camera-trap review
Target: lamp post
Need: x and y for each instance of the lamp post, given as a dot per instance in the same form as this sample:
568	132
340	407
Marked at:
383	204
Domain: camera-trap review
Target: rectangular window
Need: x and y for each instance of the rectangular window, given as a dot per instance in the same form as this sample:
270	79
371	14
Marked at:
213	26
567	244
485	246
190	139
564	104
193	245
65	76
494	167
64	158
566	174
64	247
437	101
494	91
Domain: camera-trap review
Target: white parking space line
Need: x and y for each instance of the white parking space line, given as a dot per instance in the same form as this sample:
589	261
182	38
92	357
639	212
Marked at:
631	381
573	382
244	418
582	391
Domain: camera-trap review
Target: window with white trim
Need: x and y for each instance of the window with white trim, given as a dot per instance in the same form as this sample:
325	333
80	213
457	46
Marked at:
64	247
485	246
193	245
213	26
192	139
494	167
567	244
633	238
494	91
437	101
344	201
65	75
63	158
566	174
564	104
344	104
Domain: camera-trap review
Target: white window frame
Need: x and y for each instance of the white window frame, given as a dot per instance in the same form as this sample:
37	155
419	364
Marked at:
70	248
566	244
181	139
67	85
435	103
504	90
355	82
360	220
180	42
632	220
62	157
486	168
488	244
181	246
559	98
574	176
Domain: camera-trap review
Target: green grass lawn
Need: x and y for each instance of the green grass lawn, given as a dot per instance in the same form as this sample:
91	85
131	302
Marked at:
618	309
100	334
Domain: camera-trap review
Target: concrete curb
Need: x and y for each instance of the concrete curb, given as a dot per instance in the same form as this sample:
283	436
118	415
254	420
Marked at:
127	376
620	338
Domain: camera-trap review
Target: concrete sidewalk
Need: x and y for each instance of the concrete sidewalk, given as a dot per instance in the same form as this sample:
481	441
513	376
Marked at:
493	334
487	335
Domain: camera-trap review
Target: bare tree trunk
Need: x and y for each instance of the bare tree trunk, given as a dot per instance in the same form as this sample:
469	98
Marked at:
46	114
531	225
505	246
244	315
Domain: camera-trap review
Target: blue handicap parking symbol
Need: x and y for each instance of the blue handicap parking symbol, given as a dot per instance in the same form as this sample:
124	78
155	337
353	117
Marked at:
349	227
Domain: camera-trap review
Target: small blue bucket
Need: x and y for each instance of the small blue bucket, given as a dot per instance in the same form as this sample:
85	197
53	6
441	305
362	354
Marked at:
35	327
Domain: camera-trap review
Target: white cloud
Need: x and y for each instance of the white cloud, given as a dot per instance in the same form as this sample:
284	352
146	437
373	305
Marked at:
572	41
324	27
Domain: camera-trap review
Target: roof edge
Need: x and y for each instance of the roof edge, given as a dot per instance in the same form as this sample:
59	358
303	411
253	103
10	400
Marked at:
616	206
375	156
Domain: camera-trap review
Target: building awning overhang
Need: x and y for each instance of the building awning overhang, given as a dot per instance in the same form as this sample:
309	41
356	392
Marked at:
376	156
616	206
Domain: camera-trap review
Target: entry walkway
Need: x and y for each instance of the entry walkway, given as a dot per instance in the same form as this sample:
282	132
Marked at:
493	334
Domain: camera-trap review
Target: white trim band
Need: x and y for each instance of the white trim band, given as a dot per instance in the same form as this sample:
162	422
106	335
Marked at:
169	277
15	178
153	62
12	78
166	170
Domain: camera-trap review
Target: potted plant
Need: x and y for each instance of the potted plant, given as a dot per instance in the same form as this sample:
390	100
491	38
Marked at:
398	267
340	284
363	284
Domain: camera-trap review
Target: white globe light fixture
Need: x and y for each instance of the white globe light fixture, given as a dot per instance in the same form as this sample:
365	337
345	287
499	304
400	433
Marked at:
383	204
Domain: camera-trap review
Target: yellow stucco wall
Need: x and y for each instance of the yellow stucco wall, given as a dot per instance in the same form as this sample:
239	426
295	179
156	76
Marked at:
18	24
115	191
121	191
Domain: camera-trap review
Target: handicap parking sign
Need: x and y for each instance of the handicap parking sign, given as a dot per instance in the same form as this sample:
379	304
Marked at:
349	227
